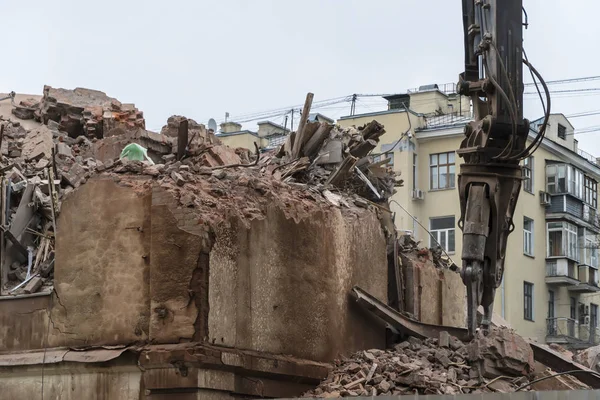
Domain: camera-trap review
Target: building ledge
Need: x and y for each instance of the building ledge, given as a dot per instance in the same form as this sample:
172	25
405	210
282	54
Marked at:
561	280
584	287
564	216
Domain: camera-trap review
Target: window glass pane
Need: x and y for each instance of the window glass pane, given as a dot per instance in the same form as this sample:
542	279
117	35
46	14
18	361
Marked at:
443	158
433	239
443	176
452	176
451	158
555	225
434	177
451	240
433	159
442	223
443	239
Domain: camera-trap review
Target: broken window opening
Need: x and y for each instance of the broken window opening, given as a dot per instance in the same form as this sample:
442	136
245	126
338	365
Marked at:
27	239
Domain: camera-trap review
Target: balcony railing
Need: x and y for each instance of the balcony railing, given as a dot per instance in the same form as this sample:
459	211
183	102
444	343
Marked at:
561	327
587	156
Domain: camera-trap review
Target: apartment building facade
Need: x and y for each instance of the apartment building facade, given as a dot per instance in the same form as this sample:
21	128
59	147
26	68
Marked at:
550	290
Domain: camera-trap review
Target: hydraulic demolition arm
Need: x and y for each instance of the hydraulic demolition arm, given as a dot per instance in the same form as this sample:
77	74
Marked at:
495	142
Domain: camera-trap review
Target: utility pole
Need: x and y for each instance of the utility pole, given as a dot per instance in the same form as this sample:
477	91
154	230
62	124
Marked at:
353	104
292	129
285	124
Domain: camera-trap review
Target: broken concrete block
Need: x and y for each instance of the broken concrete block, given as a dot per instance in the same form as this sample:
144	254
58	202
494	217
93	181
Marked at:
177	178
205	171
41	164
501	352
74	175
33	285
63	150
219	174
168	157
444	339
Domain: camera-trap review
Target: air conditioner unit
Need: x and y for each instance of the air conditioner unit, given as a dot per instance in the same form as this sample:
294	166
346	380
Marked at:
545	198
587	310
586	320
418	194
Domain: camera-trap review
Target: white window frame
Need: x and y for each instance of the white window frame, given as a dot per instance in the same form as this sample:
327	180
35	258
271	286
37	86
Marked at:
590	191
528	242
528	168
528	307
571	177
440	237
590	249
569	242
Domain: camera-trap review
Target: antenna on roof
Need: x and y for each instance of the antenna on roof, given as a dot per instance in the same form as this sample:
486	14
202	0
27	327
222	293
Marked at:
212	124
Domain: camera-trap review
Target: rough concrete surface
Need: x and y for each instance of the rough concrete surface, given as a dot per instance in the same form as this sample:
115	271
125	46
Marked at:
282	286
101	278
175	255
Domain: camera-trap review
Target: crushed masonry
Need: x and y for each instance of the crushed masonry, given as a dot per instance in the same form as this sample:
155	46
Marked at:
435	366
81	133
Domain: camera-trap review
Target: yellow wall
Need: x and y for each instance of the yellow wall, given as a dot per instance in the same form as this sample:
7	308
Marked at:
244	140
439	203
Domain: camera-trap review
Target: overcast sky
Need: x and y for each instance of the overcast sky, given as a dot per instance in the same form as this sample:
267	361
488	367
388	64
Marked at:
203	58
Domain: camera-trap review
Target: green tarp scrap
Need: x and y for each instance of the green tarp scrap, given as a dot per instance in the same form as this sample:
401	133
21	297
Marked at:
135	152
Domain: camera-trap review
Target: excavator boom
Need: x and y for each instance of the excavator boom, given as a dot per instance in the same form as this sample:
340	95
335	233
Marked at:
495	142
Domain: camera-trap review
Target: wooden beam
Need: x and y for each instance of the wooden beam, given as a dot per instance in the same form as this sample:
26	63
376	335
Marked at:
341	174
314	143
364	148
182	138
300	132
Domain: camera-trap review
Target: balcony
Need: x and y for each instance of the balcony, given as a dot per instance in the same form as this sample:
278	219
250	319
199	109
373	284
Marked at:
562	272
590	335
568	331
588	280
561	330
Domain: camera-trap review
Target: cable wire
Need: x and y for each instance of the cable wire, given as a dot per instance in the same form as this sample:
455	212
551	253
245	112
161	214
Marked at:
575	371
542	131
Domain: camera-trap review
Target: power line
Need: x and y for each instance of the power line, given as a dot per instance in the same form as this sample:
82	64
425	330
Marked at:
570	80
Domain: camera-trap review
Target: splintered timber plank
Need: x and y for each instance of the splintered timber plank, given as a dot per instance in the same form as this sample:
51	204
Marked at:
373	130
303	120
343	171
314	143
364	148
24	212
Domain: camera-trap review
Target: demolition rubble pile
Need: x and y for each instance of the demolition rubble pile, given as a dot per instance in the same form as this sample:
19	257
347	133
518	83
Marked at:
323	155
500	362
82	133
80	112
